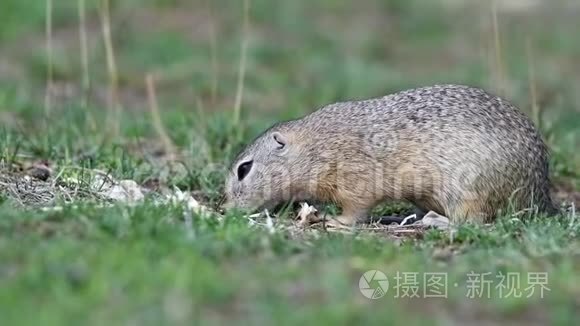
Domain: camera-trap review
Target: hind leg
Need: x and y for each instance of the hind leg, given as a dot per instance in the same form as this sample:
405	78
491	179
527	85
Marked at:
350	216
469	211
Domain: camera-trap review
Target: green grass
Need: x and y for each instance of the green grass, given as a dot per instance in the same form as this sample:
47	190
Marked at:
146	264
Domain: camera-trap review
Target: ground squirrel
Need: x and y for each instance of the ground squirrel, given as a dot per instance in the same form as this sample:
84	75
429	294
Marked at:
455	150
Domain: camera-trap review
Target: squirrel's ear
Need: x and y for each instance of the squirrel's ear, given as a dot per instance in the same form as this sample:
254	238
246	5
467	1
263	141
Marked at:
280	141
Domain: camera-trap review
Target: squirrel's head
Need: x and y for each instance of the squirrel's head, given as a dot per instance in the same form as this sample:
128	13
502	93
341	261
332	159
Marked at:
260	176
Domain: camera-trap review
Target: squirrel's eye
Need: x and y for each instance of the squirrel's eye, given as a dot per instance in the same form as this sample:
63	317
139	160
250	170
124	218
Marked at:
244	169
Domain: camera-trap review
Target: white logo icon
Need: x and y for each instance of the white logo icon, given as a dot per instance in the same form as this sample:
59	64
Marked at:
373	284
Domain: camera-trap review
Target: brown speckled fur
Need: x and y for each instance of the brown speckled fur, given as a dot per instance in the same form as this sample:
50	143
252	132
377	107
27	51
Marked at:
456	150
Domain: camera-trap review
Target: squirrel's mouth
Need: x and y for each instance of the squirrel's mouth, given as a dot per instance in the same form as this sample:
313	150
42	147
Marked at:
224	204
219	205
270	206
280	207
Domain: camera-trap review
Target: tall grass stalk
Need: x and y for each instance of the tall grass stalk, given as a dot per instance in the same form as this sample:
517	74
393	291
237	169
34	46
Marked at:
242	65
49	57
114	104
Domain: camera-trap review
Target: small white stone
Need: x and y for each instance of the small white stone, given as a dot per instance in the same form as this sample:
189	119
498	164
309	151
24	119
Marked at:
437	221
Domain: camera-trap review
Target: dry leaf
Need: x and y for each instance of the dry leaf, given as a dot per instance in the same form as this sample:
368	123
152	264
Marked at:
308	214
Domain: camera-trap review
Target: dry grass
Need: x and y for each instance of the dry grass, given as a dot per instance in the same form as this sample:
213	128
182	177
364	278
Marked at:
156	117
28	192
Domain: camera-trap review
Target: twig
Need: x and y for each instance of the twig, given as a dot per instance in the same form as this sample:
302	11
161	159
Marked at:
49	59
242	65
86	78
213	54
84	50
156	118
499	71
536	114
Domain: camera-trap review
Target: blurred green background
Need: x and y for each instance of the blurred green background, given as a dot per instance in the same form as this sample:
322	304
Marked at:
67	104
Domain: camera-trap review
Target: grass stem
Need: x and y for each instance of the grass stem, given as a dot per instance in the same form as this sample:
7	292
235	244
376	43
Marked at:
242	65
114	104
